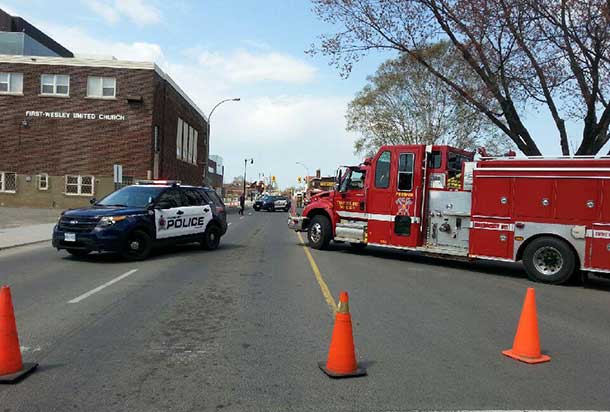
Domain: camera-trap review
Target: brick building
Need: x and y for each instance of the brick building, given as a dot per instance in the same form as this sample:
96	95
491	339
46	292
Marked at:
64	123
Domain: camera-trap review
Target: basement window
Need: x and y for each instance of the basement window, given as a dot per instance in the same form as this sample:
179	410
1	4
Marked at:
77	185
8	182
43	181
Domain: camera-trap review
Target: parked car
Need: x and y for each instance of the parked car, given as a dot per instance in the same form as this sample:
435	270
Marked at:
272	203
134	219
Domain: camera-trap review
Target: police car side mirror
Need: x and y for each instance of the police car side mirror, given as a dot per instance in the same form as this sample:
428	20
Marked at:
93	201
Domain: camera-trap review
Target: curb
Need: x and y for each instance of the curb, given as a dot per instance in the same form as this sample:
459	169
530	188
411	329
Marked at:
24	244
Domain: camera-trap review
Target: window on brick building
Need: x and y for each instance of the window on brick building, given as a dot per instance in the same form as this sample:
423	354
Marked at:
43	181
11	83
101	87
186	142
77	185
55	84
8	182
179	139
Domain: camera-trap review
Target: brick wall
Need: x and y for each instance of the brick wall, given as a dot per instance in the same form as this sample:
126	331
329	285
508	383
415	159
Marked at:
60	146
169	106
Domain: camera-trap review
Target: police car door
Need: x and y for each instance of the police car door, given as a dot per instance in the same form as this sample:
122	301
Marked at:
198	212
169	213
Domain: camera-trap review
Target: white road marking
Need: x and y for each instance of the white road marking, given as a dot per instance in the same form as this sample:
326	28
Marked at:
229	224
105	285
241	218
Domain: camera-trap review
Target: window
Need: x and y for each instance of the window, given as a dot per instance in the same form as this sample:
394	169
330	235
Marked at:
179	140
194	197
77	185
8	182
101	87
215	198
11	83
435	160
170	199
186	142
55	84
356	180
382	171
132	196
405	171
194	151
43	181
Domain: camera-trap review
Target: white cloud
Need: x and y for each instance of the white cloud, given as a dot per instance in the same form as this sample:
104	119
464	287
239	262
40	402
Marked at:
139	11
242	66
80	42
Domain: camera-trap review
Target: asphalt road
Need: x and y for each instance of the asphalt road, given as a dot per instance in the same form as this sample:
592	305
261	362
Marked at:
242	329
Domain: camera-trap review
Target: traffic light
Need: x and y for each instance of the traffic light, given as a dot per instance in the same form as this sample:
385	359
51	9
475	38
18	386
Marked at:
273	179
299	179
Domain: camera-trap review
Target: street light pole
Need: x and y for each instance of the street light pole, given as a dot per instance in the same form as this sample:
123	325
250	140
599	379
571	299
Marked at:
245	167
207	159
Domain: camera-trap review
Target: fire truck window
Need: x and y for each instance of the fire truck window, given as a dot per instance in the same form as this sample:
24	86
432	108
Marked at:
356	181
402	225
405	172
382	171
435	160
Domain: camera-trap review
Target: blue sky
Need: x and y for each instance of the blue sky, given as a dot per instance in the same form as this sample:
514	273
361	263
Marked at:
293	105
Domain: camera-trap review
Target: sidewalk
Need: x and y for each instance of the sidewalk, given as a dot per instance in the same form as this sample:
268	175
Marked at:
22	226
25	235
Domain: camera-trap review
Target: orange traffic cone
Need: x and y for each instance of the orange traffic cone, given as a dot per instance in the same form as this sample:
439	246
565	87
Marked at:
12	369
526	347
341	362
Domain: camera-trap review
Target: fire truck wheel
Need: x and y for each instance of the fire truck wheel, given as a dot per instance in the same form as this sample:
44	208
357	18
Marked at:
549	260
319	232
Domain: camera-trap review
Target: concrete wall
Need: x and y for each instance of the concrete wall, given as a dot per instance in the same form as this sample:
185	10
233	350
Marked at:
28	194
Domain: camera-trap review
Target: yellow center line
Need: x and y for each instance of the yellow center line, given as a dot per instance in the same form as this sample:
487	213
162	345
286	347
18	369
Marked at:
319	278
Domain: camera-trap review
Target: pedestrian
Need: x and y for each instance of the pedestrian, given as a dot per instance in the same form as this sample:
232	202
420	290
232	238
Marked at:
242	204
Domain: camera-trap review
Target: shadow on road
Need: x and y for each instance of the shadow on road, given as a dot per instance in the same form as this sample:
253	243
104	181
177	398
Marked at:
506	269
160	254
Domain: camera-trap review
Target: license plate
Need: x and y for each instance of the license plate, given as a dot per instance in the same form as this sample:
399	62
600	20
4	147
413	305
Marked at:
70	237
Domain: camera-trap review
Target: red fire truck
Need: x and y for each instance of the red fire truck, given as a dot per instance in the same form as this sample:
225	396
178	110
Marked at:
551	213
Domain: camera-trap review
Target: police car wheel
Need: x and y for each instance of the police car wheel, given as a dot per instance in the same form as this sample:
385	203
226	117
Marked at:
78	252
549	260
137	246
211	238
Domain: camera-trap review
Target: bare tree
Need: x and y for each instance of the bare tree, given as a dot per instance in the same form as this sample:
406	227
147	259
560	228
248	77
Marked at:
403	103
525	53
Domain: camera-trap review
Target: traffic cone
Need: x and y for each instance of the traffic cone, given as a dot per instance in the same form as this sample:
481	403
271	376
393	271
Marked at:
526	347
12	369
341	362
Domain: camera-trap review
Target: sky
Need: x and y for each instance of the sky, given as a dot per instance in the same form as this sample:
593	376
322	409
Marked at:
292	106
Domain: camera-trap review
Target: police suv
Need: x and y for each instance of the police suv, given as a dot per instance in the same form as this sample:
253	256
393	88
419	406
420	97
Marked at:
135	218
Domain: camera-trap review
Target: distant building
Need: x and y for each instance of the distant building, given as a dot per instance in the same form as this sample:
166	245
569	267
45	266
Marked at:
65	122
216	172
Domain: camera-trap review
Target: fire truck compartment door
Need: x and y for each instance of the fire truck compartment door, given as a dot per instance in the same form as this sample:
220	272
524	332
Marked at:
491	197
492	240
598	246
534	198
449	218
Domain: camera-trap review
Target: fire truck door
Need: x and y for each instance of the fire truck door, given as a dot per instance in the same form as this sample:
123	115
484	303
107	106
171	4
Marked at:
351	195
380	194
405	205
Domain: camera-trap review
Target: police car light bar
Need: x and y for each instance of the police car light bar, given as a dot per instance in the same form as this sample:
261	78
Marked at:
159	182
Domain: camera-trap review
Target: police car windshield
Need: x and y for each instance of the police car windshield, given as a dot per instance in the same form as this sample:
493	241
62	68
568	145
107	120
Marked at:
132	196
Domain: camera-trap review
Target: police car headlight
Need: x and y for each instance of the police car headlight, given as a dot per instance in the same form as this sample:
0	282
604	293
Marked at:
110	220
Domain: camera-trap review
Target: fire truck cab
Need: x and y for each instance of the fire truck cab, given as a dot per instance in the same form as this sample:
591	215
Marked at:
551	213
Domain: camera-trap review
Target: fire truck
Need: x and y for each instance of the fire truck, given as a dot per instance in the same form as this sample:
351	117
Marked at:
553	214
